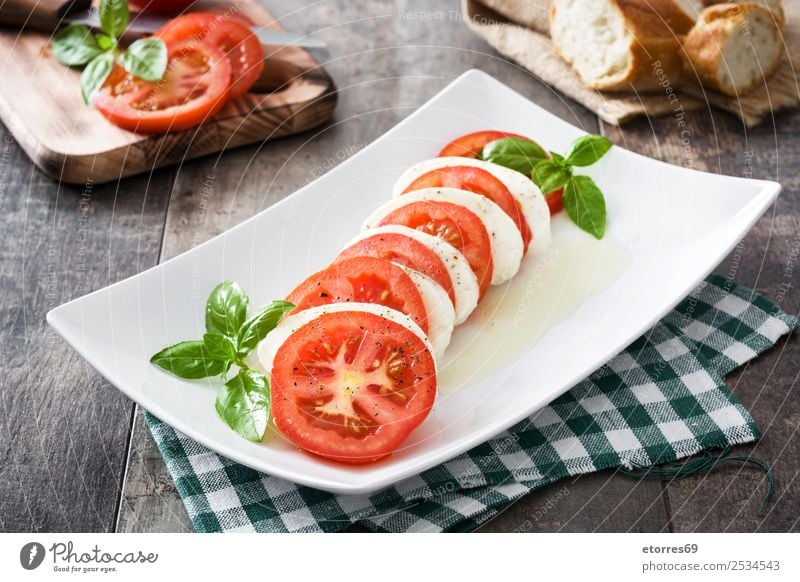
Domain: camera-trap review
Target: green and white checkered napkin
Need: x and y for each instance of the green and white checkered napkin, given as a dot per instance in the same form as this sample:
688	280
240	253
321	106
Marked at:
661	399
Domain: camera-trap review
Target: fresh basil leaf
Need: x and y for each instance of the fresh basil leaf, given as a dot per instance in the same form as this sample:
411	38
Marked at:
243	404
559	159
226	309
585	205
219	346
586	150
514	152
257	327
74	45
104	41
146	58
549	176
114	16
95	74
191	360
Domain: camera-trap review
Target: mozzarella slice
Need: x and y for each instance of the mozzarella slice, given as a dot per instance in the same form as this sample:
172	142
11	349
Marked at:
438	308
506	241
534	206
270	345
465	283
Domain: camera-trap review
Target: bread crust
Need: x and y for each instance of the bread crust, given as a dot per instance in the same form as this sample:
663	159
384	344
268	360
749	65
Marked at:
775	6
705	44
655	48
656	13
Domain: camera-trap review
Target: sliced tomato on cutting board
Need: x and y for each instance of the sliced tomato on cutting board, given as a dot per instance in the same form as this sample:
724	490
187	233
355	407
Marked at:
194	88
405	251
362	280
456	226
351	386
230	35
481	182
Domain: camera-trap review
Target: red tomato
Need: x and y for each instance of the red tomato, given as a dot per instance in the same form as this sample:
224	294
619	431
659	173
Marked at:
405	251
455	225
480	182
351	386
364	280
193	89
160	6
228	34
555	201
470	145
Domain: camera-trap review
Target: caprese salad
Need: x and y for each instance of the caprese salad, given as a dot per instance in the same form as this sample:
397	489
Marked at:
348	362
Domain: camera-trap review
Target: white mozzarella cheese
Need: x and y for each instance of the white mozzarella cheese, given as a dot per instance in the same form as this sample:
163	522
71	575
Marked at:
465	283
269	346
438	308
534	206
506	241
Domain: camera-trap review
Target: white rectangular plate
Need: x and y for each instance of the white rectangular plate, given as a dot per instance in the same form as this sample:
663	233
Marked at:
675	224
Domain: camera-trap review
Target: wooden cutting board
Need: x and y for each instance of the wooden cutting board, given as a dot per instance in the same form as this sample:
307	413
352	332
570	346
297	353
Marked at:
40	103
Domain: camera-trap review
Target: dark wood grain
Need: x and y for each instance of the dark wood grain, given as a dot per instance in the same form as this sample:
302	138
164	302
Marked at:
64	430
599	502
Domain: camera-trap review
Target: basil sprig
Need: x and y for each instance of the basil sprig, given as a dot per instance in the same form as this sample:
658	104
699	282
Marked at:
585	205
76	46
583	199
145	58
513	152
95	74
243	401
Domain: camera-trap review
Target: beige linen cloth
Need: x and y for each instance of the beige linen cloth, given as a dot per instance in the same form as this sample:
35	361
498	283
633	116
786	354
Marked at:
518	29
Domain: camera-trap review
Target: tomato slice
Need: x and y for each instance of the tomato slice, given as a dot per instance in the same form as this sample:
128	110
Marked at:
555	201
480	182
194	88
364	280
470	145
230	35
351	386
405	251
455	225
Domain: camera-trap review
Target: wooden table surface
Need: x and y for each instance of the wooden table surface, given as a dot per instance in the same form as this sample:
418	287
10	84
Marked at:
75	454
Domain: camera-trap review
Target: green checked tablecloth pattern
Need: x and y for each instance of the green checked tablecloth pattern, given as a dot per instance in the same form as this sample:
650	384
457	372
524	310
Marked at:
661	399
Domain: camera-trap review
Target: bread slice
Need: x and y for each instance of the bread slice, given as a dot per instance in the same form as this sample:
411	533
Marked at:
733	48
776	6
618	45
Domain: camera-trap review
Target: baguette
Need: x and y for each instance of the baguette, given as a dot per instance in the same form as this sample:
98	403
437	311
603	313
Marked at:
733	48
776	6
618	45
